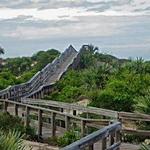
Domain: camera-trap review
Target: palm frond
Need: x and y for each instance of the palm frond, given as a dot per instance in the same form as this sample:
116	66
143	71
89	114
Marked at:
11	141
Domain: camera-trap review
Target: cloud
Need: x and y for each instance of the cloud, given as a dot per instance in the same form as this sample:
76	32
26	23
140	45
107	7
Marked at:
114	24
116	6
27	27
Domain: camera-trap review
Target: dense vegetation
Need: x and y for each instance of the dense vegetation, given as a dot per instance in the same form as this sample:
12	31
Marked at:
107	82
12	131
11	141
11	123
18	70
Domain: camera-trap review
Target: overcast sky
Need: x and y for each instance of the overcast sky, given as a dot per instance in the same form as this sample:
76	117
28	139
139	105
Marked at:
118	27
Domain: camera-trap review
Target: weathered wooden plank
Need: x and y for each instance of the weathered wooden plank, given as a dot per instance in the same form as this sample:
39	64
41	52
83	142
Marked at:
134	115
136	132
27	112
67	123
43	109
39	124
104	143
94	110
53	124
5	105
16	109
83	128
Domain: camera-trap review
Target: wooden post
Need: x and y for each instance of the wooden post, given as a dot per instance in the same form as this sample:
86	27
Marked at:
82	128
53	124
91	147
42	93
111	136
67	122
5	105
27	112
118	137
16	109
61	123
37	95
104	143
111	139
39	123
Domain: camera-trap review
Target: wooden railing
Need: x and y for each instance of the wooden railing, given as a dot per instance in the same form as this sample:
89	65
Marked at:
111	132
68	119
39	79
130	121
53	116
62	106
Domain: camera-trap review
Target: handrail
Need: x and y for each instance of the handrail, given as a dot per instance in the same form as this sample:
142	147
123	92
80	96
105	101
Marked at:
38	79
60	75
49	113
89	109
91	139
123	117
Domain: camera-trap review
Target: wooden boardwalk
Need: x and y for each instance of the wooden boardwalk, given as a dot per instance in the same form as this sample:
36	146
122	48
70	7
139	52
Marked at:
47	130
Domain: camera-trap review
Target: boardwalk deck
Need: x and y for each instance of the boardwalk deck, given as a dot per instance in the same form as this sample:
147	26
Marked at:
47	130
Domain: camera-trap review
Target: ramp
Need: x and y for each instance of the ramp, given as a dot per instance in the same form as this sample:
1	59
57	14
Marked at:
42	79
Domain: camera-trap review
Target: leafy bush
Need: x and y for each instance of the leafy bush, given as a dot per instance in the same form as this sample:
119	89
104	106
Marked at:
11	141
9	122
68	138
133	138
52	141
21	69
113	100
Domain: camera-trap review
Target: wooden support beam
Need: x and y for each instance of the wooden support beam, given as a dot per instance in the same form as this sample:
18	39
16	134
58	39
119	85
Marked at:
39	123
42	94
83	128
111	136
53	123
61	123
104	143
118	138
27	113
5	106
16	109
67	123
111	139
91	147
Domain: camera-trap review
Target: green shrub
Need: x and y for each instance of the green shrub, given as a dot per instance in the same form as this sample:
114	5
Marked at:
11	141
52	141
9	122
133	138
145	146
68	138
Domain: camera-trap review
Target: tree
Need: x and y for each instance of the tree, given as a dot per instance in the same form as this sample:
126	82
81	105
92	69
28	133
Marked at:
92	49
143	104
87	57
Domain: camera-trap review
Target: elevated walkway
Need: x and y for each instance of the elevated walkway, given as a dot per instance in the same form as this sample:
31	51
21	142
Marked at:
48	123
43	79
